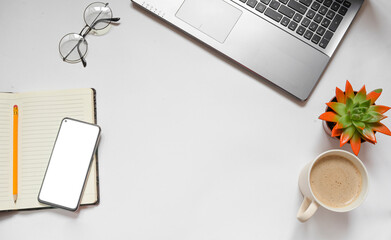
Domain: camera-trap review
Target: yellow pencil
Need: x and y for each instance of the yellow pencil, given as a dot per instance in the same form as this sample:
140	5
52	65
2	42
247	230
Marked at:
15	155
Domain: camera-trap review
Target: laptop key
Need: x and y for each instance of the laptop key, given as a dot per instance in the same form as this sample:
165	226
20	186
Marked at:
326	23
318	18
273	14
315	6
321	30
308	34
315	39
313	26
297	6
260	7
300	30
286	11
323	43
334	25
328	3
305	22
285	21
323	10
306	2
330	14
297	17
335	6
292	26
328	35
274	4
310	14
343	11
347	4
266	2
252	3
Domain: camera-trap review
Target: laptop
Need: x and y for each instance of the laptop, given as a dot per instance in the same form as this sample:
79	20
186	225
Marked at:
287	42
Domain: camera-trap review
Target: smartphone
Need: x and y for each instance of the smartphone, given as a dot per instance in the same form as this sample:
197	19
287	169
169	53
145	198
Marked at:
69	164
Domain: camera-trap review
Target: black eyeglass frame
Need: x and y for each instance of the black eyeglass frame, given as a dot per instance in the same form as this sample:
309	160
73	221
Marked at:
84	32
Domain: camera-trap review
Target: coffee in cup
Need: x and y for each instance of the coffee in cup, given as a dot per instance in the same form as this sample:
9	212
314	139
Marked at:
336	180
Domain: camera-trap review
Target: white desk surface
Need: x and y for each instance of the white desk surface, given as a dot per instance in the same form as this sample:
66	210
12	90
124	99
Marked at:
193	146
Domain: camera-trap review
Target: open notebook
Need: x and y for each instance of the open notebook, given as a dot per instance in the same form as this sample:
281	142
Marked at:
40	115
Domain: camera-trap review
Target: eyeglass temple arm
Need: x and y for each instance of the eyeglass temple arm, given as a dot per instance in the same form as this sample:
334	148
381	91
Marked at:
96	22
81	56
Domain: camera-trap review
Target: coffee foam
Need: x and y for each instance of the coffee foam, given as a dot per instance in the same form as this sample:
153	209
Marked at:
335	181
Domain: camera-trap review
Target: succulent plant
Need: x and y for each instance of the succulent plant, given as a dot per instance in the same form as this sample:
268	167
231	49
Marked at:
356	116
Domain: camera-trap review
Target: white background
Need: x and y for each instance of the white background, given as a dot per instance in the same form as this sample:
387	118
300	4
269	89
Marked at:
193	146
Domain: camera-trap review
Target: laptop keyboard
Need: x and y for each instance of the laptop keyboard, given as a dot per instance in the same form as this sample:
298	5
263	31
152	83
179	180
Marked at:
315	20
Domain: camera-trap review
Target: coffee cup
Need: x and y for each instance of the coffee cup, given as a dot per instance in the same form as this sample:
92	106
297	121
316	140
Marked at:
336	180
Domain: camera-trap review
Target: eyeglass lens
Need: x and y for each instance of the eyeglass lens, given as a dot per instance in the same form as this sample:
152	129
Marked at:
95	12
73	47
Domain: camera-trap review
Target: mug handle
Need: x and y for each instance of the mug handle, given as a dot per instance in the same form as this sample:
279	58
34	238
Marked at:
307	209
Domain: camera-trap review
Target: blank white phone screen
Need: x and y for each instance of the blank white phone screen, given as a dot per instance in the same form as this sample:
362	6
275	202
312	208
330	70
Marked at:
69	163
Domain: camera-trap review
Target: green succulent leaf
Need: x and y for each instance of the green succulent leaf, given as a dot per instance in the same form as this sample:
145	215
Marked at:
358	125
376	117
365	104
345	121
355	117
347	134
359	110
355	105
361	96
339	108
349	104
367	134
379	108
366	117
349	131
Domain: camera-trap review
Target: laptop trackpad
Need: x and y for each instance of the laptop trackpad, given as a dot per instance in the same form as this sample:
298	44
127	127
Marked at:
215	18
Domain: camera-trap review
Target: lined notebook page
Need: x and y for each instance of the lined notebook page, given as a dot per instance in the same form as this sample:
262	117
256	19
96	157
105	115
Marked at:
40	115
6	135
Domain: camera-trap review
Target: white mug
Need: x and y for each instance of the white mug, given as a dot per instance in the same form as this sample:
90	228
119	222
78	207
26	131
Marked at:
310	203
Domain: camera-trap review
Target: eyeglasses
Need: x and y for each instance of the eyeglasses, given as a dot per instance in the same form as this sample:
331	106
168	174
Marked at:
73	46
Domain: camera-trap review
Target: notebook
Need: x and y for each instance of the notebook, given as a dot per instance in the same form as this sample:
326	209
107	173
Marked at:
40	115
